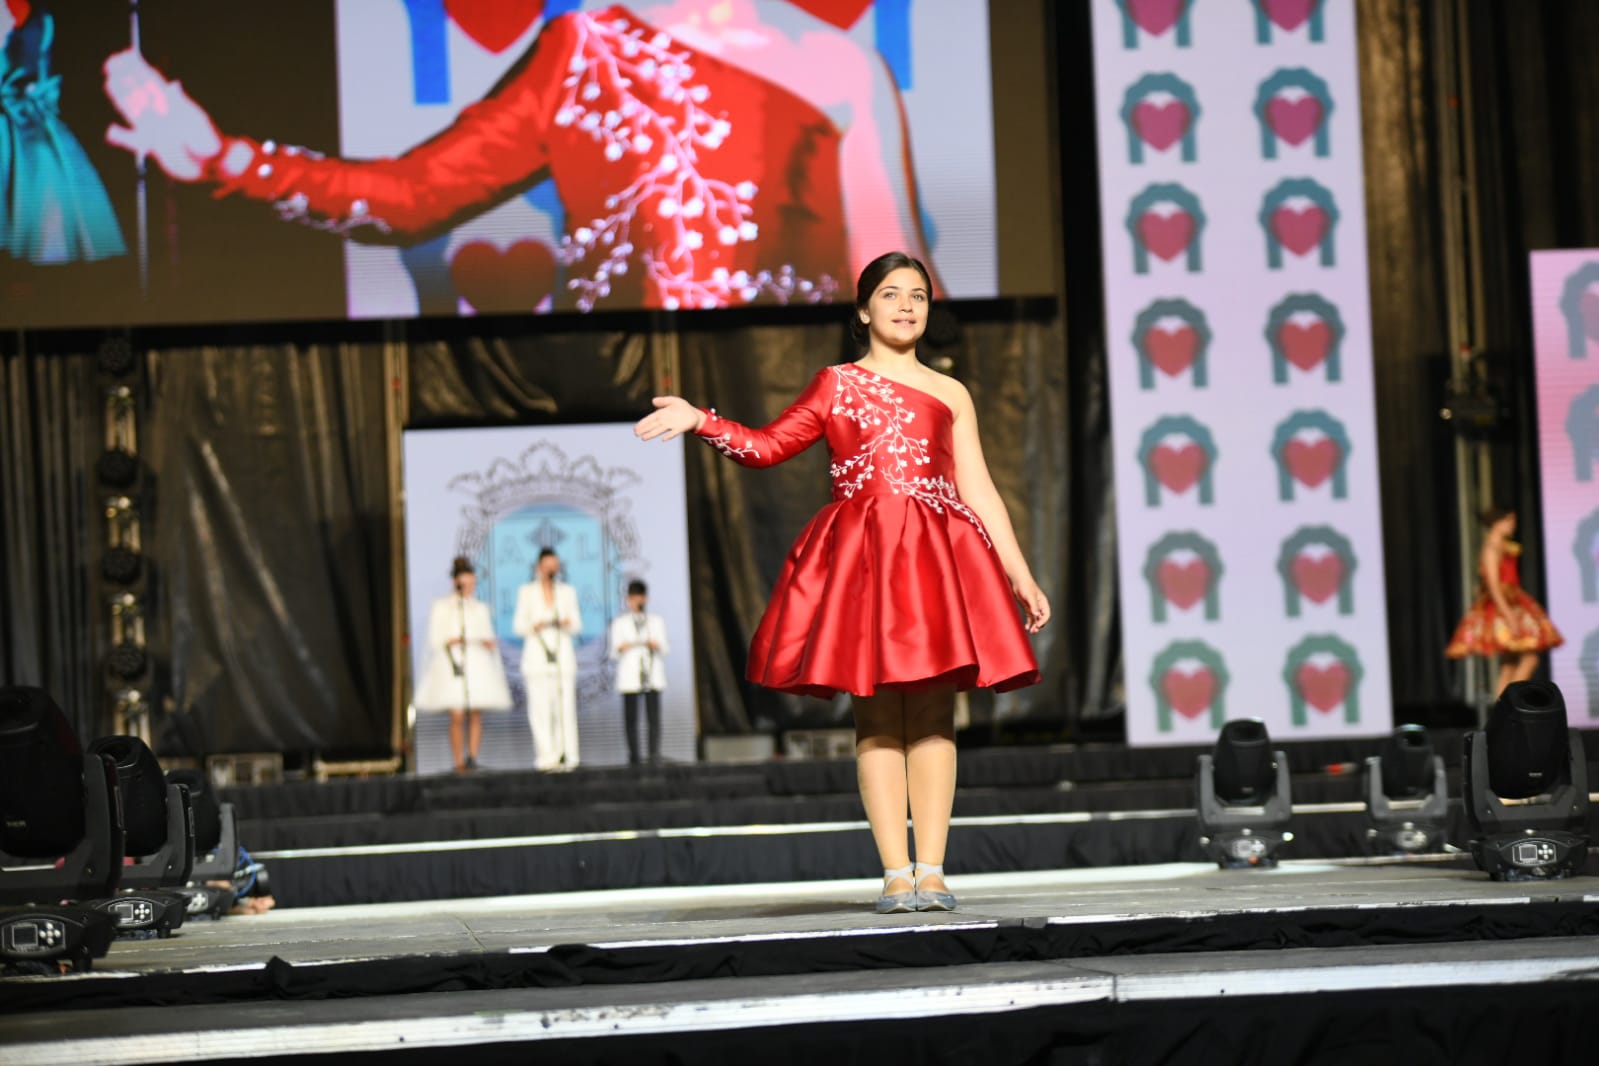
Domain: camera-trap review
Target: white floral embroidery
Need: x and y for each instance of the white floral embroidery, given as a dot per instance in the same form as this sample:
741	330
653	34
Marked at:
888	453
634	94
296	208
724	444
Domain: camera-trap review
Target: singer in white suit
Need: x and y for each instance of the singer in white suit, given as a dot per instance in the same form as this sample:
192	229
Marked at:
547	619
638	647
464	674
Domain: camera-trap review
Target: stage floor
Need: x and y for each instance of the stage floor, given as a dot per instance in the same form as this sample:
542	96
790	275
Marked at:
654	962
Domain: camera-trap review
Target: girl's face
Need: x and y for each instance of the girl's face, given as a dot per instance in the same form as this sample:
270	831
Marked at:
896	315
467	583
1506	526
549	566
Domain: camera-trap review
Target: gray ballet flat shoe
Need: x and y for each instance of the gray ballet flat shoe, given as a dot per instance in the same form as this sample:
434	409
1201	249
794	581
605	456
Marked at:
897	902
926	898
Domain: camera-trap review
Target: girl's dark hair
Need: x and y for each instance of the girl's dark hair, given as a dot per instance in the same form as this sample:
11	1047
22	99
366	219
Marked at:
461	565
1491	516
545	553
637	588
872	276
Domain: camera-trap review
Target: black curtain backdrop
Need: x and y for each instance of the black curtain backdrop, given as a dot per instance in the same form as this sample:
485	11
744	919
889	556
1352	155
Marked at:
51	419
270	529
268	526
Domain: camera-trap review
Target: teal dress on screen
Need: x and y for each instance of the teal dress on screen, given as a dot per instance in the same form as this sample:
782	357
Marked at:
53	206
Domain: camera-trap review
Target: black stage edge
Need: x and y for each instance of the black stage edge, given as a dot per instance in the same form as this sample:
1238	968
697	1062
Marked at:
1489	1025
1022	940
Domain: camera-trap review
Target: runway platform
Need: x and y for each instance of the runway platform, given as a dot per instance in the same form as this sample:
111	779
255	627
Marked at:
420	837
1420	961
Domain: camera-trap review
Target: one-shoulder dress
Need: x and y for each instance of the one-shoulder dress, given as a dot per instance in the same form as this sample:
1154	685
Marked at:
895	584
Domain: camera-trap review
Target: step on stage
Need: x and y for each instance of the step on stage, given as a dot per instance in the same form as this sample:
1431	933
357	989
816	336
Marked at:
1313	962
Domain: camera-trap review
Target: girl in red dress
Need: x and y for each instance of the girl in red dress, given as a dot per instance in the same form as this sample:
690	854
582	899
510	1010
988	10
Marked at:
1503	620
899	591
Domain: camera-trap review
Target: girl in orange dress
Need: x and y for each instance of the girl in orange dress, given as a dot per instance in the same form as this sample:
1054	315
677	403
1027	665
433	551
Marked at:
1503	620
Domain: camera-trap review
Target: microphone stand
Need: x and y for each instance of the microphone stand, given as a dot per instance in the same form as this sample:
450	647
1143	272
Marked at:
466	651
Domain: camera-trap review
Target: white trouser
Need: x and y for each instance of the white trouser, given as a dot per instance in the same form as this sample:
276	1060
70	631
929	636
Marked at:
552	715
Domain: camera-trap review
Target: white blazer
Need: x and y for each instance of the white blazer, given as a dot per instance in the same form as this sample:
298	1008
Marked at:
538	641
638	664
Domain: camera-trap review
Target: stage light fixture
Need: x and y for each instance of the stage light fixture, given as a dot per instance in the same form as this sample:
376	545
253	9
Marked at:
1526	788
127	659
159	842
216	846
116	468
115	356
1407	795
60	808
38	940
1243	796
124	555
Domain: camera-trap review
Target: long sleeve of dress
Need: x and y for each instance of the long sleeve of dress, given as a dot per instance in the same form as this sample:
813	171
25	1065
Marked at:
801	425
492	149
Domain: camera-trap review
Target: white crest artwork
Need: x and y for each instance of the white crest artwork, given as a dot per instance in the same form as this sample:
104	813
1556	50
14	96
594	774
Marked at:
612	512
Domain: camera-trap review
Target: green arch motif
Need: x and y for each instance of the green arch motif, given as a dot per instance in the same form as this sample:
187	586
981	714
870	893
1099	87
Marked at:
1293	78
1316	194
1263	29
1174	653
1583	548
1186	540
1582	426
1160	83
1305	537
1160	193
1318	644
1332	428
1130	27
1292	305
1571	294
1194	317
1189	428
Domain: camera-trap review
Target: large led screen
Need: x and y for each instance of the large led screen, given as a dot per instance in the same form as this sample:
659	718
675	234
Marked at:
393	158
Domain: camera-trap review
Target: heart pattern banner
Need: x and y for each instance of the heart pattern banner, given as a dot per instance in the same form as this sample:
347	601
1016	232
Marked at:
1565	323
1243	411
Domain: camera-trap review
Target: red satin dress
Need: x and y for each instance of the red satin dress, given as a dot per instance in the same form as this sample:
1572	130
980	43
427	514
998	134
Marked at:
895	584
1484	631
686	182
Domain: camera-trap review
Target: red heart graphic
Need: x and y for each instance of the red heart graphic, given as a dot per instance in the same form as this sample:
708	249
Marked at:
1189	694
1294	120
1161	125
1311	464
1323	687
1184	584
1590	314
1299	230
494	24
1290	14
517	279
1178	468
1156	16
1165	235
1317	579
1305	346
1171	350
841	13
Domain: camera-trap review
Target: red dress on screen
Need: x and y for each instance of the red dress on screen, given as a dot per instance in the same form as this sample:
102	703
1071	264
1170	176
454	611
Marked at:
686	181
894	584
1484	631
